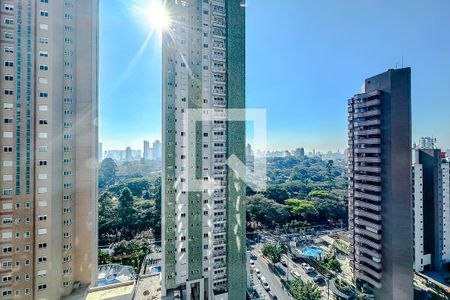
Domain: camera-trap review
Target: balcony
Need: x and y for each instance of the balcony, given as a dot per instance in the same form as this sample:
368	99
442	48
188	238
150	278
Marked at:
366	250
367	132
374	150
374	102
363	213
368	187
217	253
368	279
368	178
370	243
363	204
369	270
367	196
363	222
368	169
368	159
368	261
371	141
368	233
367	123
370	113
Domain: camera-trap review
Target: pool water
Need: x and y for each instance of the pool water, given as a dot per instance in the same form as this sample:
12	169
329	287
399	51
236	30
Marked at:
312	251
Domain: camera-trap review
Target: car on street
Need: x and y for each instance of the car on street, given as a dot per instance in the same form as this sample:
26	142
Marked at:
304	265
309	269
319	280
258	273
266	286
252	263
272	296
295	274
284	262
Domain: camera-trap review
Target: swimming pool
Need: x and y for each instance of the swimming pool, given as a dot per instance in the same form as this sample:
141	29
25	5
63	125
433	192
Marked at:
312	251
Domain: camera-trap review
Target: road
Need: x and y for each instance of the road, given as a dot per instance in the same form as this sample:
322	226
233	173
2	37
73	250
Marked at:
272	280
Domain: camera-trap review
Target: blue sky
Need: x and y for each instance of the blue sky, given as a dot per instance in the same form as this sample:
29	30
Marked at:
304	60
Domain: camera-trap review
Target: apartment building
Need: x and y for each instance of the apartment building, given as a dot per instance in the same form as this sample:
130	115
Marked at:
203	227
380	206
431	209
48	146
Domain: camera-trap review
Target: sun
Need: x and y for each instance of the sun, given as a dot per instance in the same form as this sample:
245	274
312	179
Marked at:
158	16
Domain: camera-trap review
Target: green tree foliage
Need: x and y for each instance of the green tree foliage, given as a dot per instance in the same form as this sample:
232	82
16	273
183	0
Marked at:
305	291
127	213
333	264
132	252
302	208
104	258
265	211
138	187
107	173
107	216
272	252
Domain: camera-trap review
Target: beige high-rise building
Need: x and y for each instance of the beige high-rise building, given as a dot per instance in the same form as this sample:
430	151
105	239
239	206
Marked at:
48	180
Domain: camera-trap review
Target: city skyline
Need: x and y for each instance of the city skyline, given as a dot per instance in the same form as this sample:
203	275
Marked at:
138	83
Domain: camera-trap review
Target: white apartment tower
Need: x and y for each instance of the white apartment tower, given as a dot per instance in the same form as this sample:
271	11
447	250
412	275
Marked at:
203	230
431	209
48	147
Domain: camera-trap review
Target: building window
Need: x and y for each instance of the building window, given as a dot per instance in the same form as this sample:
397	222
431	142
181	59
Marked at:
44	13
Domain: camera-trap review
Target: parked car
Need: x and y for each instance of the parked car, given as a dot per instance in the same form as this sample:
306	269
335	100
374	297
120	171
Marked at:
258	273
309	269
295	274
266	286
304	265
272	296
319	280
284	262
252	262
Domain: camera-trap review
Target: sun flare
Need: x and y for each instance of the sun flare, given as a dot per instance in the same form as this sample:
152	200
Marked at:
157	16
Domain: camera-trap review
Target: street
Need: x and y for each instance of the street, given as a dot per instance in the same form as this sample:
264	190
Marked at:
272	280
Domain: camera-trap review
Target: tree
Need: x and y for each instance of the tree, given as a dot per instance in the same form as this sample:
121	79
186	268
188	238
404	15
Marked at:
302	208
266	211
126	213
305	291
334	265
104	258
107	217
272	252
107	173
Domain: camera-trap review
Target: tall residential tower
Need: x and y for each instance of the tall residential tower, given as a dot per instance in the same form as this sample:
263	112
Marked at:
49	146
380	192
203	227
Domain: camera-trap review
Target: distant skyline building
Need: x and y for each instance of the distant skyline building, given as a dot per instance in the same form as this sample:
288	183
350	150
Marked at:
147	154
431	209
157	150
203	229
299	152
426	143
380	185
250	157
128	156
49	157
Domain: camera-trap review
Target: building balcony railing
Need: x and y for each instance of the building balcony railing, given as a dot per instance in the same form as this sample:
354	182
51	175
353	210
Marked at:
363	222
372	150
370	243
367	132
366	123
370	206
368	178
370	113
374	102
368	169
363	213
368	279
369	270
367	260
367	196
367	233
372	141
368	187
217	253
360	248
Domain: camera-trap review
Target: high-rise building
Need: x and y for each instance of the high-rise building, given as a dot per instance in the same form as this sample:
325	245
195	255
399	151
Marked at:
49	155
128	154
100	151
426	143
250	157
431	209
203	230
157	150
299	152
146	150
380	192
